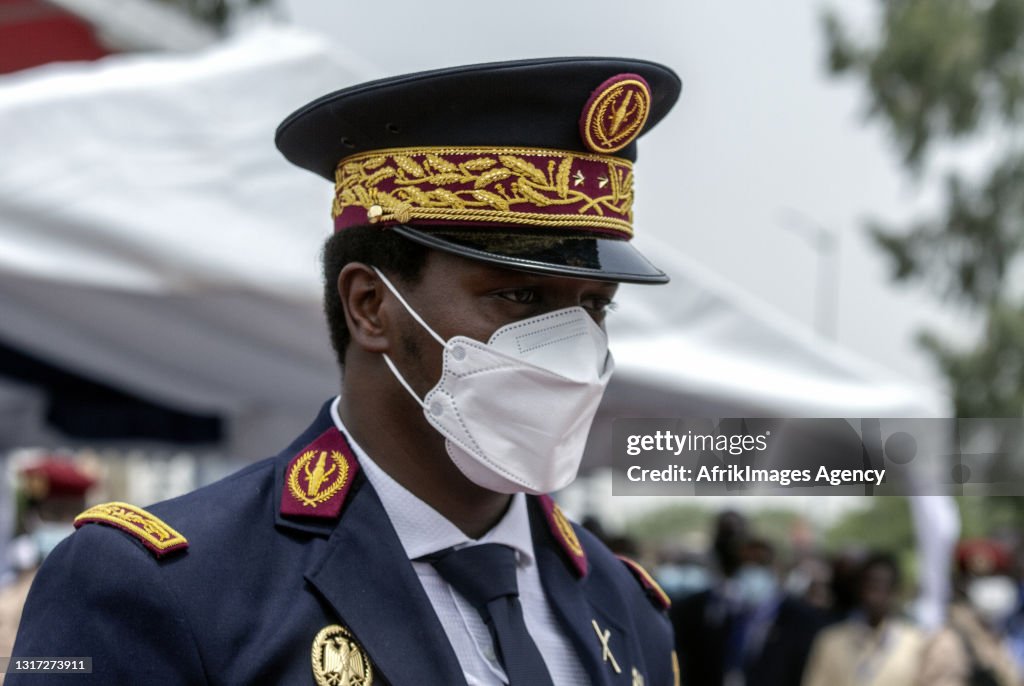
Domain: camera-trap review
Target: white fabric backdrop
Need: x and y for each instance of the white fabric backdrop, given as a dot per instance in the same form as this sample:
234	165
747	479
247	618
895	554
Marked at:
151	236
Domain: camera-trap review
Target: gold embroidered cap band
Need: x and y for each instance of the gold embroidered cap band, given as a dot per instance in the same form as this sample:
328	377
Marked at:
491	186
527	164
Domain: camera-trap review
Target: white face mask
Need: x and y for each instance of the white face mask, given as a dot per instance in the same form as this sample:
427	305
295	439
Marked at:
516	411
994	598
757	585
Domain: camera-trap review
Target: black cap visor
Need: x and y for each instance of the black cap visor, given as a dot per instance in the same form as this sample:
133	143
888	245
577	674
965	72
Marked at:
581	257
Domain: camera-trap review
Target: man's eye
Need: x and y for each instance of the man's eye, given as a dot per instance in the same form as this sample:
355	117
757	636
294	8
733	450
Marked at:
520	296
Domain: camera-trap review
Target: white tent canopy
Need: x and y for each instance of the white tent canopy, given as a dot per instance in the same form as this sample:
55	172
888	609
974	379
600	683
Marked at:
151	236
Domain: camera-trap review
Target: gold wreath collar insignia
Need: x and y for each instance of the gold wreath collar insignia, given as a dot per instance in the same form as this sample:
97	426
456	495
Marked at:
318	478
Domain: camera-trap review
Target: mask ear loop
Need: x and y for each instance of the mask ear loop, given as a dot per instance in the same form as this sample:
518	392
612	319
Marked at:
401	380
419	320
412	312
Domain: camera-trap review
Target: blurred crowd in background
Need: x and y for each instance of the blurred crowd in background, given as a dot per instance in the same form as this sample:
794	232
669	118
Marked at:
748	612
750	607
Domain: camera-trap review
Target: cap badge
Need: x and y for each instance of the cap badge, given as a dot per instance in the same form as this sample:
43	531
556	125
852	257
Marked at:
616	113
338	660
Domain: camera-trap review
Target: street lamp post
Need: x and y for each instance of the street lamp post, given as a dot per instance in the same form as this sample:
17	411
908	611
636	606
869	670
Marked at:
825	244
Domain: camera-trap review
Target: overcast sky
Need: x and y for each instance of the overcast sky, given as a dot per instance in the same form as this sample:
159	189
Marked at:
760	130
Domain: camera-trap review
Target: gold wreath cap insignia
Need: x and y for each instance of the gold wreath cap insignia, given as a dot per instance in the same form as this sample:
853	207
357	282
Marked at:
615	114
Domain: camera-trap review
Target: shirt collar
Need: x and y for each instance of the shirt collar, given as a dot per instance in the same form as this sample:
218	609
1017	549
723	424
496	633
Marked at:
421	529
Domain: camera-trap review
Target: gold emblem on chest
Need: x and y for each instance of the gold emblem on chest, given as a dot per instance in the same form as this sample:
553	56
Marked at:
338	660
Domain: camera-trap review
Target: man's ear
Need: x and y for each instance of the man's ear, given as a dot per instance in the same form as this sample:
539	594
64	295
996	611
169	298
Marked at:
362	295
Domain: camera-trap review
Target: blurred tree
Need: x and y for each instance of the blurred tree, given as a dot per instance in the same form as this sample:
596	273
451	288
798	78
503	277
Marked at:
777	525
676	523
670	524
939	71
885	524
996	516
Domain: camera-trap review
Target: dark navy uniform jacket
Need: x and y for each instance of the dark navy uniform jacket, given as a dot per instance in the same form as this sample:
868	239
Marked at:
244	601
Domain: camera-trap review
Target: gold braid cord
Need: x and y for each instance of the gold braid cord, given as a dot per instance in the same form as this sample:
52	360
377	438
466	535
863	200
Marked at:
522	186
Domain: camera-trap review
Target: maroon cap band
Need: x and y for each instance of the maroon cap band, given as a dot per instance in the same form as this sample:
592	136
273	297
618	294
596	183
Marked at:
486	186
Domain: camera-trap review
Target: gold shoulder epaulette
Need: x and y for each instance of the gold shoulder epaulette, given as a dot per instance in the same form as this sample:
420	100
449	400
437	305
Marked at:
151	531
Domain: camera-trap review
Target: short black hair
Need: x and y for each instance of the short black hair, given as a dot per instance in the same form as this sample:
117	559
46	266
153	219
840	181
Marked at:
883	560
370	245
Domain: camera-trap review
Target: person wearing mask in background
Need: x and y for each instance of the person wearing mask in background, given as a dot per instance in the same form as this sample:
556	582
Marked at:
770	642
744	631
971	649
810	579
53	491
682	573
703	620
846	566
874	646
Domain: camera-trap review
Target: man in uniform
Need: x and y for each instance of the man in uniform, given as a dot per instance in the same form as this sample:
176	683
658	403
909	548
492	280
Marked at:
482	224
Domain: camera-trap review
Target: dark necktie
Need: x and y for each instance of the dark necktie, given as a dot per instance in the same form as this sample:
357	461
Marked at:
485	575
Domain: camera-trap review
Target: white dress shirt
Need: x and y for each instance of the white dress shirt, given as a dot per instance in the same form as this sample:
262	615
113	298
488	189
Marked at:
422	531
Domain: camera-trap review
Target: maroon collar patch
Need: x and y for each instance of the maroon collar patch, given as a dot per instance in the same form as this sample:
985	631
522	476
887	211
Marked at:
563	532
317	480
